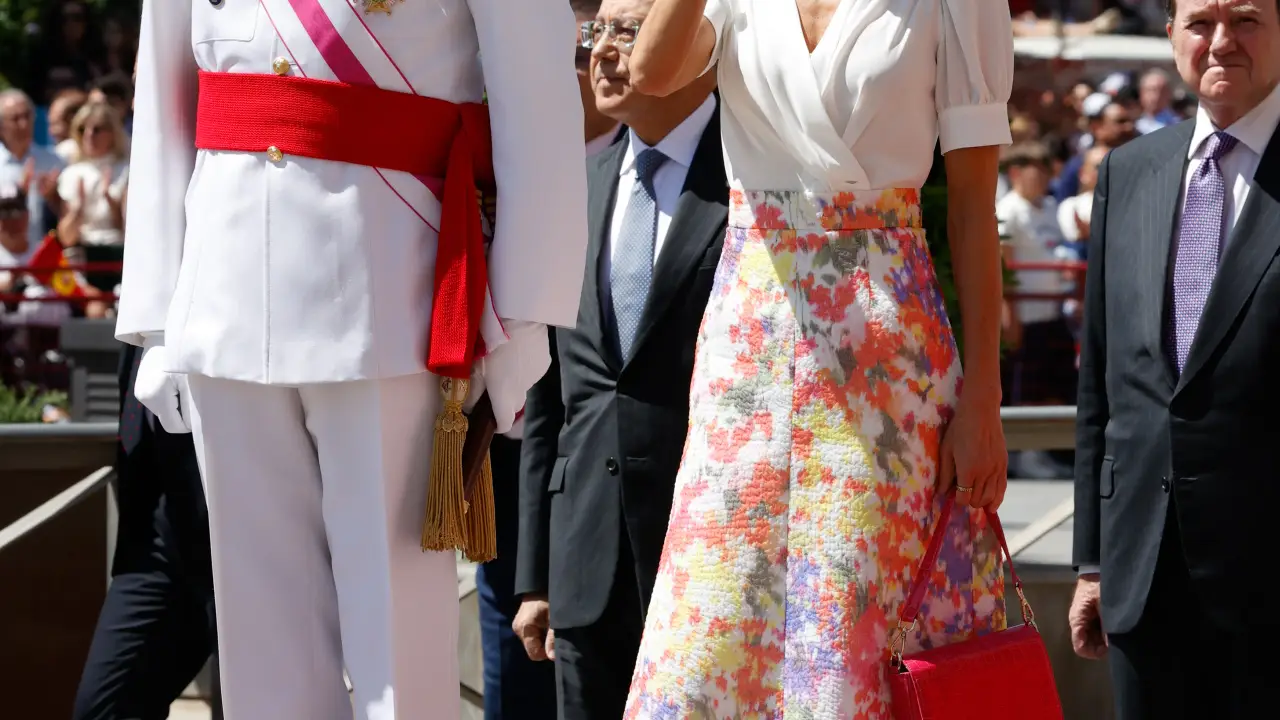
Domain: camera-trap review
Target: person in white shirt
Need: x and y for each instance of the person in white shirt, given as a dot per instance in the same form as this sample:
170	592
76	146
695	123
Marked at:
1039	367
93	190
24	163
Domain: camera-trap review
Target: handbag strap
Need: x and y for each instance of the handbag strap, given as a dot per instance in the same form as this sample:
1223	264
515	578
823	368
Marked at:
911	608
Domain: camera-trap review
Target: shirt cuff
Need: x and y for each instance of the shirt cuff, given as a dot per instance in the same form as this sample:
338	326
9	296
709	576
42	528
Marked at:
974	126
1089	570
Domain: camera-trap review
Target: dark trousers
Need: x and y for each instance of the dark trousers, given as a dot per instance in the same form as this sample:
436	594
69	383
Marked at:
594	664
1175	664
156	628
515	687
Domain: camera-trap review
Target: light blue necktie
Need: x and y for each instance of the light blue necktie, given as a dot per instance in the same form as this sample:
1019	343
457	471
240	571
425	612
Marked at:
631	270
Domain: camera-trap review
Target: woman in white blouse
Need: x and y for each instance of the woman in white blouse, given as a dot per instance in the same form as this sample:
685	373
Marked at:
826	418
93	188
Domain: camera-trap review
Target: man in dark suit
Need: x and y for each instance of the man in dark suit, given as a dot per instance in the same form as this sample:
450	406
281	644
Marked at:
156	628
1177	483
514	685
604	431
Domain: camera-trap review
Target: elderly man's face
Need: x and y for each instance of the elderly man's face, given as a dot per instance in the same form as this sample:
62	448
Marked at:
610	75
17	123
1228	51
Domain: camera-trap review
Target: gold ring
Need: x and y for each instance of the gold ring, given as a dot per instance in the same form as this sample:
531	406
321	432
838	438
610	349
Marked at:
962	488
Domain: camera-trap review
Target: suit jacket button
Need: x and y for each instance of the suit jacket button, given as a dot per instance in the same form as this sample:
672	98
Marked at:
611	465
1164	484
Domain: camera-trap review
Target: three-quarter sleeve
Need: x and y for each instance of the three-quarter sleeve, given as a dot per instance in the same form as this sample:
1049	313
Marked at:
975	74
717	12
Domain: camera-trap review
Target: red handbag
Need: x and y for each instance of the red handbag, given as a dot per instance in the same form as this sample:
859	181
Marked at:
999	676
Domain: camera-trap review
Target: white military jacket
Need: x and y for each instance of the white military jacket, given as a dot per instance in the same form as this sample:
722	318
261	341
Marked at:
308	271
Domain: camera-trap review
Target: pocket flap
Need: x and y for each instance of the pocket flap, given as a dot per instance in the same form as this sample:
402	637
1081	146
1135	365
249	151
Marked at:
1107	478
556	484
226	21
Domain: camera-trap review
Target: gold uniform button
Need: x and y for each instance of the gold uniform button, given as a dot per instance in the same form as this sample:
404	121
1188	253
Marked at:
280	66
274	154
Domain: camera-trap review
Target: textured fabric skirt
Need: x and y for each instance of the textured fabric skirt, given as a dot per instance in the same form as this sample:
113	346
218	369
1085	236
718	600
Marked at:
826	372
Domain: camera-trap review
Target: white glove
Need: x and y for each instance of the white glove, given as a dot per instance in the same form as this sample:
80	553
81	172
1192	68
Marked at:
163	393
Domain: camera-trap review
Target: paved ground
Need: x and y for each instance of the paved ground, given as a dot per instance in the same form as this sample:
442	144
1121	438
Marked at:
1028	501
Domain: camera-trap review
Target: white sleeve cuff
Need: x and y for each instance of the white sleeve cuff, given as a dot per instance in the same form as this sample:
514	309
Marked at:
974	126
717	12
512	368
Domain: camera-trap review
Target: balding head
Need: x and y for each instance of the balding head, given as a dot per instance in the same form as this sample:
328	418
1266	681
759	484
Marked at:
17	121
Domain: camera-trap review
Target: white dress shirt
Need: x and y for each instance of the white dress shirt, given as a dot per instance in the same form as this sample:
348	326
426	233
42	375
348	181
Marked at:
862	111
1253	131
668	182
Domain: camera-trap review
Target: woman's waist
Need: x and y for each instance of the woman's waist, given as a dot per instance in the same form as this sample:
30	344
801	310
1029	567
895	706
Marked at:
825	211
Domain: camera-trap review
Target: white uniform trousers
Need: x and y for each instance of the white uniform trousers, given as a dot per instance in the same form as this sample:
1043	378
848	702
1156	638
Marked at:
316	500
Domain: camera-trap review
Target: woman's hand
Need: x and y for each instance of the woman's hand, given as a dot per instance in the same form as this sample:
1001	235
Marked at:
115	205
973	456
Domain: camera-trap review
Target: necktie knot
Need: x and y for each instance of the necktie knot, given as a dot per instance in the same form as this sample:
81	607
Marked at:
647	164
1217	145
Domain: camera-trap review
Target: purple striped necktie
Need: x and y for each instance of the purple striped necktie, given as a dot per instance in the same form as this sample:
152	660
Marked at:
1199	244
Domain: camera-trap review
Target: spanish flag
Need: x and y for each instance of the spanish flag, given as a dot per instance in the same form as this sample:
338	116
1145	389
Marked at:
43	262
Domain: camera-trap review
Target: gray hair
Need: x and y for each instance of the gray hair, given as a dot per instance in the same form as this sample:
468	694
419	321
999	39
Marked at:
16	94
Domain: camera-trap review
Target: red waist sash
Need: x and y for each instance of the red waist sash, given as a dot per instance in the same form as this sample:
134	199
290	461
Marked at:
370	126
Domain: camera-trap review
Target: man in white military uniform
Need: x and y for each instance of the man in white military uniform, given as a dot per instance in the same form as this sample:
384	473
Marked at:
295	278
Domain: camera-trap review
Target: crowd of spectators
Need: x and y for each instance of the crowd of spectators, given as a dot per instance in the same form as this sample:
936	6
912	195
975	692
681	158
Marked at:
64	145
1044	201
1088	17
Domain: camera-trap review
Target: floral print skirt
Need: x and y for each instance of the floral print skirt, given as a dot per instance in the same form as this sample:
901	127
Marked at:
826	372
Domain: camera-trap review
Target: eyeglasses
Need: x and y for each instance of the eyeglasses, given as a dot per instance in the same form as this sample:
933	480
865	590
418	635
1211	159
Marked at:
622	34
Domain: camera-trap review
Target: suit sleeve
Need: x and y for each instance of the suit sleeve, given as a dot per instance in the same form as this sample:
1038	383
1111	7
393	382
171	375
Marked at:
543	419
535	110
1092	406
161	163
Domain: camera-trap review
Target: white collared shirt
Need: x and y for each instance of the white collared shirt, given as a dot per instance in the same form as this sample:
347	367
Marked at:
1253	132
679	146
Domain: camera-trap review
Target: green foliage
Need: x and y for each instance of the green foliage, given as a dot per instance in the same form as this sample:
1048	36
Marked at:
27	405
16	43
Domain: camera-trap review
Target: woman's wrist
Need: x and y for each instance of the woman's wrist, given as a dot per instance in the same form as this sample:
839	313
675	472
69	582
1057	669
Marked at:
981	390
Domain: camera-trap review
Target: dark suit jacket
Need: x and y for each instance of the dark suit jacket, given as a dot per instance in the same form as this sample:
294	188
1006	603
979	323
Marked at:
1208	438
603	434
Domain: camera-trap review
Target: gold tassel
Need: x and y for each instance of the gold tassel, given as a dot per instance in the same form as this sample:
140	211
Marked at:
480	528
443	529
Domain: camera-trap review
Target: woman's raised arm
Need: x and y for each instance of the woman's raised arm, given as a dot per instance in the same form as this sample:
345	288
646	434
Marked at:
675	45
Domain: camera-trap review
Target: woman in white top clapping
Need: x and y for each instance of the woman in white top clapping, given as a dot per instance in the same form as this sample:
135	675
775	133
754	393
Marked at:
826	414
93	189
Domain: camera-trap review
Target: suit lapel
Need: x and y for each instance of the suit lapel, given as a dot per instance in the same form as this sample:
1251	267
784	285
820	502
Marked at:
1253	244
1161	211
593	312
699	215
